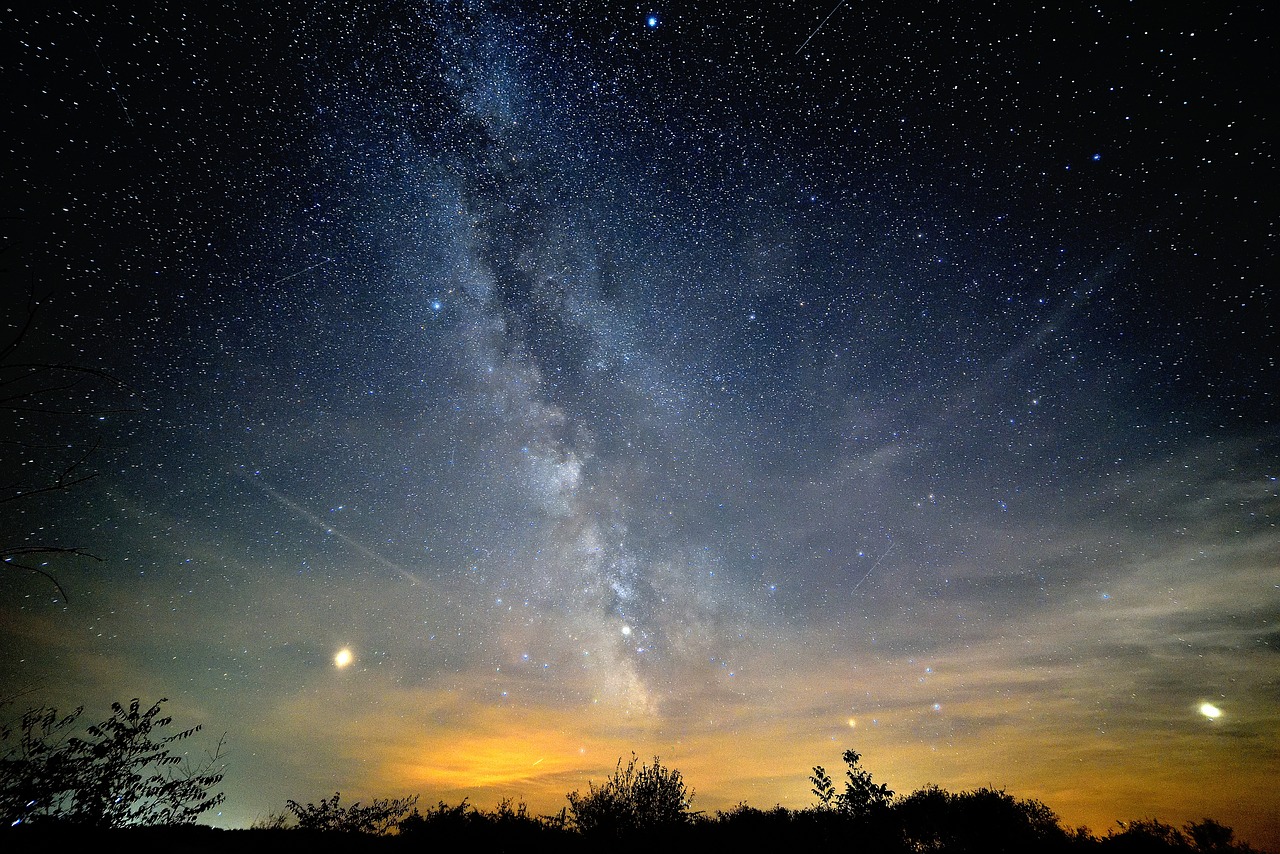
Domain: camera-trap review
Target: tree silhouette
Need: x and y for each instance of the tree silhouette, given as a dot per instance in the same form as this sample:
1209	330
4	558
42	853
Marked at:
636	798
983	820
1208	835
122	774
862	797
1154	836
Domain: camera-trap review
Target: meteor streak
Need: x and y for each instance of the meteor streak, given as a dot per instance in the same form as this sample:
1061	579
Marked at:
835	9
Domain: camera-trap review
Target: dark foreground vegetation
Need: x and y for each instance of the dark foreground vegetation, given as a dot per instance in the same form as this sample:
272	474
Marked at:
117	787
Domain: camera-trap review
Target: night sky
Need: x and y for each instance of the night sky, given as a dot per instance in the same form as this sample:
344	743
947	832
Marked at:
735	383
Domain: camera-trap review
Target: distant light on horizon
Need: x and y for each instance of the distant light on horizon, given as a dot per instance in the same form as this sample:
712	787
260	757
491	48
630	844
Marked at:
1209	710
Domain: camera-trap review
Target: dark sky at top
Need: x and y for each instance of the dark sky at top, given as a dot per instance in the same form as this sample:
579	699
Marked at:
611	377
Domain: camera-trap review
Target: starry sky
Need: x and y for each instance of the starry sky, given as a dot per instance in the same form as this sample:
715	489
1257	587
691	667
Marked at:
737	383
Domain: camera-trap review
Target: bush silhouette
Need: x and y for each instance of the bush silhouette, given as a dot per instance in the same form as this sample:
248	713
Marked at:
441	821
510	827
1154	836
120	775
983	820
862	797
379	817
1209	836
636	798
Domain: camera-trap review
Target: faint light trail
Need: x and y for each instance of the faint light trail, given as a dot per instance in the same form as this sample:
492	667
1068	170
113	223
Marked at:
879	560
305	514
820	26
300	272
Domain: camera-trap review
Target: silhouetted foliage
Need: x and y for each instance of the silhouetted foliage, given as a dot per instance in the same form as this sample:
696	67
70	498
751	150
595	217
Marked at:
379	817
510	827
1154	836
1207	835
924	816
1143	835
932	819
441	819
272	821
748	828
121	774
823	789
639	808
862	797
636	798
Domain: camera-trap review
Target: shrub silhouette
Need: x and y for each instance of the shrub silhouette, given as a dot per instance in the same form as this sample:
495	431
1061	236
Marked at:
1145	835
1154	836
441	820
1209	836
636	798
746	828
122	774
983	820
509	827
379	817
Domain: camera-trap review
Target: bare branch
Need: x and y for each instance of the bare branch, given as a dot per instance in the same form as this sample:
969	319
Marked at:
26	326
52	388
74	369
7	558
64	480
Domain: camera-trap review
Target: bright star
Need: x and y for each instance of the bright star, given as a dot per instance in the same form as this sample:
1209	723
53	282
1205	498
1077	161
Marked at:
1210	711
651	22
343	658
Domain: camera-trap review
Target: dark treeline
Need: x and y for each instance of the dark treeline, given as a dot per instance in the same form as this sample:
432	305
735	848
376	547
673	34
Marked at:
983	821
67	788
641	806
649	807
